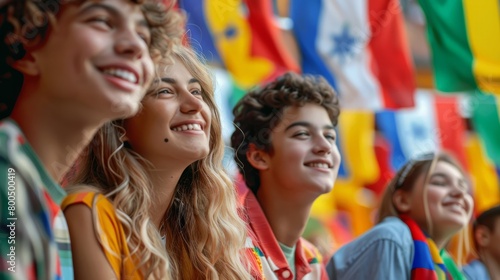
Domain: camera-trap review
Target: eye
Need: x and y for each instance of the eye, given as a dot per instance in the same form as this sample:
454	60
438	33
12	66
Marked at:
101	21
301	135
196	92
438	182
164	91
330	137
145	36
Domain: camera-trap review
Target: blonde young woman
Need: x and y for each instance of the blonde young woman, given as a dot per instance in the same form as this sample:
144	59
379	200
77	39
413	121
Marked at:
156	201
425	204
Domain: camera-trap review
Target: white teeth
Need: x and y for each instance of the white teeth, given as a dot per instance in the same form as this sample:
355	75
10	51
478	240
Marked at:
193	126
316	164
121	73
457	206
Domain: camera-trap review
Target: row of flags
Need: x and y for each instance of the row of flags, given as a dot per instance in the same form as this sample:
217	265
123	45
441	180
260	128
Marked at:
361	48
363	54
383	141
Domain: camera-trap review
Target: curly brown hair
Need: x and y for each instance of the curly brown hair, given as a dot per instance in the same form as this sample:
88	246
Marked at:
24	25
261	110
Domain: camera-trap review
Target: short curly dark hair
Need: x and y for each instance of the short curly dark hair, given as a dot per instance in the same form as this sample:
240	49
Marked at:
260	111
24	24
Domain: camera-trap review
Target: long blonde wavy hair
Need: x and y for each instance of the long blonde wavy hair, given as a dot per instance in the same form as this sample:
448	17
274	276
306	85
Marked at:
204	232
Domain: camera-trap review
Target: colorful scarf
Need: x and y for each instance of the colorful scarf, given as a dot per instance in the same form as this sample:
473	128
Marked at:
427	263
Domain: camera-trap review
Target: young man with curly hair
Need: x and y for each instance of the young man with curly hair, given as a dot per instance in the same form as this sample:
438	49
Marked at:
285	148
70	66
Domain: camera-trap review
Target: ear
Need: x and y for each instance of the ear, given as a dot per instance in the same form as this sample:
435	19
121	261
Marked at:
27	65
402	201
482	236
257	157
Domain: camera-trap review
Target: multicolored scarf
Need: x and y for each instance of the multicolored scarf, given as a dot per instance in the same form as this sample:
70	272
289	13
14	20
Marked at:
427	263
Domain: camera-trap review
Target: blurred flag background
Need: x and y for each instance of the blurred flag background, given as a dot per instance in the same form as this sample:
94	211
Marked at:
412	77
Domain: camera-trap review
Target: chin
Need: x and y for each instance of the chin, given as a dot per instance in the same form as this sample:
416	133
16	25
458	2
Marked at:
123	110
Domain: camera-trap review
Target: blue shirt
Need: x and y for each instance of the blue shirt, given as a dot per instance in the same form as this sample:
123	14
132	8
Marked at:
476	270
384	252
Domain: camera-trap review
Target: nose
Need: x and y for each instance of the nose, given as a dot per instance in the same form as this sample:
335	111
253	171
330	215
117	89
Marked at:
130	44
322	146
458	191
190	104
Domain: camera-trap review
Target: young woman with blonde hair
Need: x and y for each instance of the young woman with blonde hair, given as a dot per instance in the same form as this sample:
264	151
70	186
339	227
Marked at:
423	207
154	200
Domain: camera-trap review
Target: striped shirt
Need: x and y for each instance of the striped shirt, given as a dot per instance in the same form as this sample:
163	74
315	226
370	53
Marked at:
34	238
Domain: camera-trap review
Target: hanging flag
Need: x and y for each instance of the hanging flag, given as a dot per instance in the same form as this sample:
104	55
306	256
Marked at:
465	38
382	153
359	162
245	37
434	124
360	47
485	182
197	31
486	121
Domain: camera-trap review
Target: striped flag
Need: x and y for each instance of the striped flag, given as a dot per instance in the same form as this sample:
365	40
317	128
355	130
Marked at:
360	47
359	163
486	121
465	40
434	124
484	178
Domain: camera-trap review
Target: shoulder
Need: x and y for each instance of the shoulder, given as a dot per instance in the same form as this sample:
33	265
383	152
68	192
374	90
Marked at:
391	230
384	245
89	205
89	198
475	270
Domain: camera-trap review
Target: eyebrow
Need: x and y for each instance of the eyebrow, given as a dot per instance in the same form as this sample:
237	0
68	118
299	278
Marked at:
174	81
113	11
308	125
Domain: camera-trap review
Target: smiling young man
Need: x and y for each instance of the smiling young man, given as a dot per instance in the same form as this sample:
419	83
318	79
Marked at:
70	66
285	148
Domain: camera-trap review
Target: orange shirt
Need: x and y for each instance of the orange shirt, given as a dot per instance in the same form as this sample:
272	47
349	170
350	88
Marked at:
112	235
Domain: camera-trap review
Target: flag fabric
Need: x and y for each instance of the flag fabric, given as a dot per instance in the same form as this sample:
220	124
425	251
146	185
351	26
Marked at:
244	35
434	124
197	31
465	38
360	47
486	121
355	137
382	153
485	183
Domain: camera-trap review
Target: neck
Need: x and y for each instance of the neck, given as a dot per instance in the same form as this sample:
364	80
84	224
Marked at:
287	216
56	136
492	265
164	182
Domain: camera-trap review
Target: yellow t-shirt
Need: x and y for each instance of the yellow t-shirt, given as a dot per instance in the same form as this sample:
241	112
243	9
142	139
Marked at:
112	235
